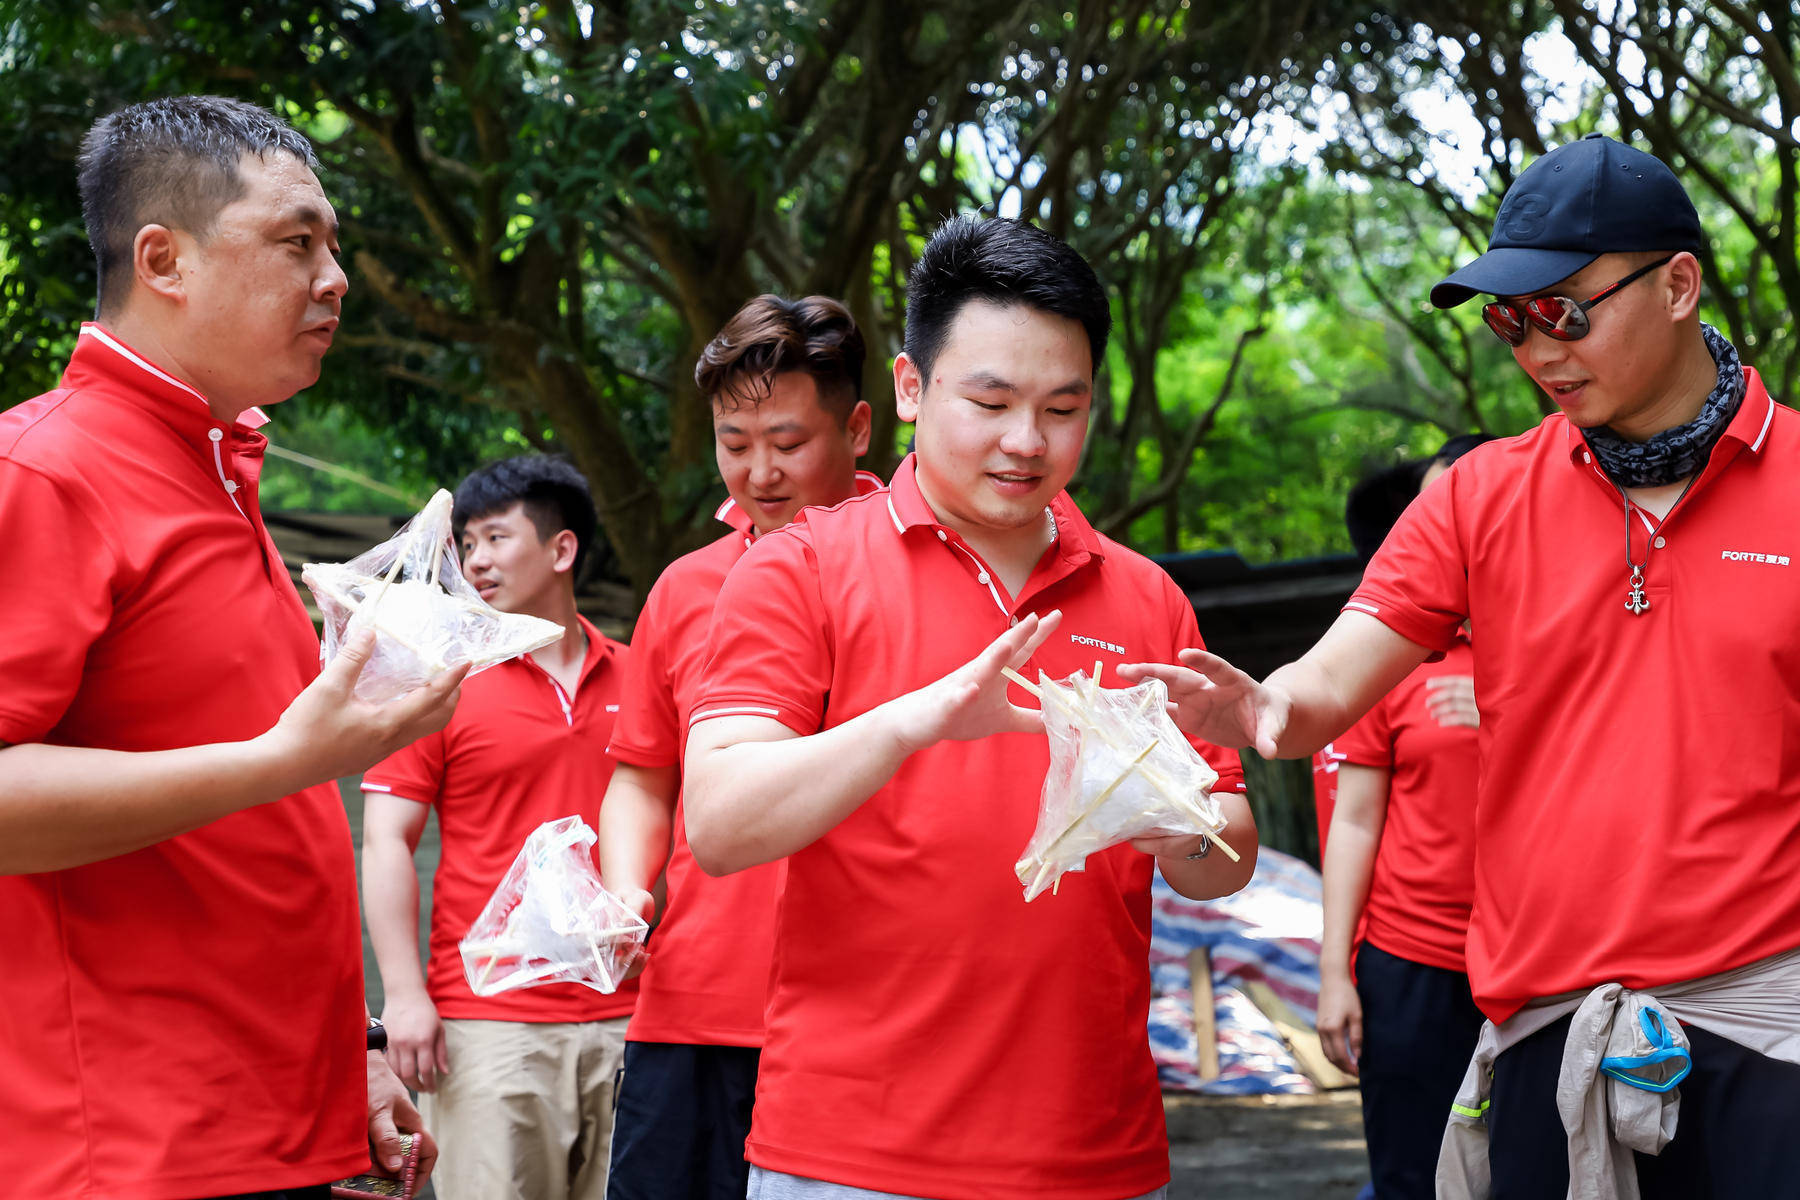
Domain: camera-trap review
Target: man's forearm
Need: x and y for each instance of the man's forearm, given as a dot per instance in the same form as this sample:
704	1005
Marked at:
635	825
1318	711
66	806
752	802
391	907
1349	865
1351	846
1356	663
1216	874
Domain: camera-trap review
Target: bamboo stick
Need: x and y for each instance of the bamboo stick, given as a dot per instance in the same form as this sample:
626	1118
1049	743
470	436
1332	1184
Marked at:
1091	809
1023	682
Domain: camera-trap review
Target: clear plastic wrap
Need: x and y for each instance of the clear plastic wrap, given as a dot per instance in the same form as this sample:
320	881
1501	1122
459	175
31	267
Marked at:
427	618
1119	769
551	920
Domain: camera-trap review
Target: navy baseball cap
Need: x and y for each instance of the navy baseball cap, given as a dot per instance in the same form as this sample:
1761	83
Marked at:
1586	198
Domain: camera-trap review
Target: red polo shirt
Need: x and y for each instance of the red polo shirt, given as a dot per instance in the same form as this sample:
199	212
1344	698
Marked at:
708	978
1639	814
1325	786
187	1018
519	751
1424	880
929	1032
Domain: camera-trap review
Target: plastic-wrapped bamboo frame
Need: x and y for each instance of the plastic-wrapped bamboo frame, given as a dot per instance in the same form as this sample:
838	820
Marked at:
551	920
1119	770
427	618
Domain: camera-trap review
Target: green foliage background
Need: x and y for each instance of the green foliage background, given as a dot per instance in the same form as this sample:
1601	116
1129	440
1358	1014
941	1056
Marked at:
550	206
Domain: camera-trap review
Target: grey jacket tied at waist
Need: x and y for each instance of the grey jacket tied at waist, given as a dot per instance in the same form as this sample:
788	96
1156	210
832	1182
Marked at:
1618	1033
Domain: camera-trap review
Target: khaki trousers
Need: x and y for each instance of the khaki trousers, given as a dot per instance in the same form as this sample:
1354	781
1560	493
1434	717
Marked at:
526	1110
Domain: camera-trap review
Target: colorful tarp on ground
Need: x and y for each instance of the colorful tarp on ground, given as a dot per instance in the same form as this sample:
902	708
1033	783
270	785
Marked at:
1270	931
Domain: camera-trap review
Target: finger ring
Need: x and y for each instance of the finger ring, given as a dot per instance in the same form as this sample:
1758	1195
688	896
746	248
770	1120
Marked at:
1205	849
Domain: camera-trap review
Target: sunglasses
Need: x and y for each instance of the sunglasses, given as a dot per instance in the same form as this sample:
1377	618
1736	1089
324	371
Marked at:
1564	319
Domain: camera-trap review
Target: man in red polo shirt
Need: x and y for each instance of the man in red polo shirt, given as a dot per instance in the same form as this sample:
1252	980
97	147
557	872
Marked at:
930	1033
518	1087
181	1008
785	382
1628	569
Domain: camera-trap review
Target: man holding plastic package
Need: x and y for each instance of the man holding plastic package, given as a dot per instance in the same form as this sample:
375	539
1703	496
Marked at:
1635	934
518	1086
784	379
929	1032
181	1011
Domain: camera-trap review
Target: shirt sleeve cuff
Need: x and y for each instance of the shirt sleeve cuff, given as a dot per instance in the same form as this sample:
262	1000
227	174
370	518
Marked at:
634	754
799	720
1410	623
396	791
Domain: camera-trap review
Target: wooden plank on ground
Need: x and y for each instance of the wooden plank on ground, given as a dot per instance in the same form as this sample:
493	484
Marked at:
1303	1043
1206	1033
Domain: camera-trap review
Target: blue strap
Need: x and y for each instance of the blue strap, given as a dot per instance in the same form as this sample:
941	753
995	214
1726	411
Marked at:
1663	1049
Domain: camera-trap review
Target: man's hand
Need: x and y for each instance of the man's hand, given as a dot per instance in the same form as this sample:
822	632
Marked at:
971	702
1212	700
391	1113
416	1048
327	733
1171	845
1451	700
1340	1020
644	905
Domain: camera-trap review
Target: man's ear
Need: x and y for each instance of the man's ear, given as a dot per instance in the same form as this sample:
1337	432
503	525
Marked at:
857	425
909	387
566	545
156	261
1685	280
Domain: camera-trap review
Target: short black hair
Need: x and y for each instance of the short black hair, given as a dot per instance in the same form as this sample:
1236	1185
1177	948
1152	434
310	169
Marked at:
1460	445
170	162
1005	262
1375	504
555	495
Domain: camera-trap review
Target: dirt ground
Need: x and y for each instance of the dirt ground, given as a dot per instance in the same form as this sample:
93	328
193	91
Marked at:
1221	1147
1292	1147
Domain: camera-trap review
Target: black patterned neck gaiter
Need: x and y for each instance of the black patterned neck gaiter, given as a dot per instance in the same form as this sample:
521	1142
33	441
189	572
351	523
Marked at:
1676	453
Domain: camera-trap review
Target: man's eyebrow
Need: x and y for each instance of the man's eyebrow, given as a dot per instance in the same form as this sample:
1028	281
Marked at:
985	381
988	381
787	427
306	214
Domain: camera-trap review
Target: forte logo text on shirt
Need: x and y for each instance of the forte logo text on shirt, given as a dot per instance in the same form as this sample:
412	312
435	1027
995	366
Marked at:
1773	560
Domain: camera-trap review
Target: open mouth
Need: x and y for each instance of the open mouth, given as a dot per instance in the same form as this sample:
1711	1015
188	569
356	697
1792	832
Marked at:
1014	482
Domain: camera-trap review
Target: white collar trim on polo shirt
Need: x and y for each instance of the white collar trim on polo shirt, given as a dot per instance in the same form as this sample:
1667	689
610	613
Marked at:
250	418
1768	420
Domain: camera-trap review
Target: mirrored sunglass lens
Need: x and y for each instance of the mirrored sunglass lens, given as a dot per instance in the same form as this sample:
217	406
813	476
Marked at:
1559	317
1504	320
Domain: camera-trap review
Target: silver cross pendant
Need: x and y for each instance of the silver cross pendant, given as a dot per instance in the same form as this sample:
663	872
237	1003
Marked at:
1637	602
